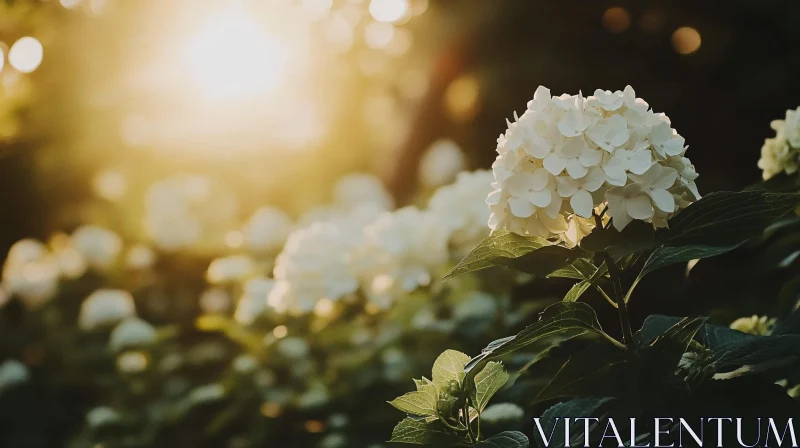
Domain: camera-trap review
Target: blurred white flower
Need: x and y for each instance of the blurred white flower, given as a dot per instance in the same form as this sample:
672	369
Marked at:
206	393
102	416
267	229
361	189
230	268
245	363
12	372
98	245
338	420
316	395
607	147
502	412
106	307
405	248
132	362
254	300
440	163
132	332
140	257
461	209
782	152
31	272
215	301
293	347
317	262
334	440
187	211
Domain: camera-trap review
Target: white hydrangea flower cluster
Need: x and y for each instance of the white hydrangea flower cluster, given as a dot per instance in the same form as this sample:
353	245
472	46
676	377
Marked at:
267	229
782	152
12	372
460	207
99	246
132	332
188	211
359	189
441	163
316	263
384	255
567	155
404	249
32	272
106	307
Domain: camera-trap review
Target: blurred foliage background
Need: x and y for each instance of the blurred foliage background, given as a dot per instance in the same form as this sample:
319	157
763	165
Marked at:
270	102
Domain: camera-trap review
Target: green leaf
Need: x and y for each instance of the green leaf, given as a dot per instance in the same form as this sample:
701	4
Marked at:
563	318
718	223
673	343
506	439
487	383
421	403
529	254
580	269
418	432
577	291
636	237
599	370
575	408
654	326
579	288
422	381
449	366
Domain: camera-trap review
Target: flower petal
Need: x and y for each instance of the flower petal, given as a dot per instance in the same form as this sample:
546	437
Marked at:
594	179
519	184
581	203
541	198
663	200
521	208
640	161
567	186
639	207
554	164
576	169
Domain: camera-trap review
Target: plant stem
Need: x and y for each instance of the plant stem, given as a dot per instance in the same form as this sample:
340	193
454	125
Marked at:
622	307
467	423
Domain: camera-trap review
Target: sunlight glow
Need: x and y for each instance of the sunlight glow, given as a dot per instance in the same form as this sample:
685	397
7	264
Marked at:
232	57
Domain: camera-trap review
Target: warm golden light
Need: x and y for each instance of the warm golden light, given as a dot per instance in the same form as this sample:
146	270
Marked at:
617	19
26	54
69	4
280	331
461	98
234	239
110	184
686	40
232	57
2	60
389	10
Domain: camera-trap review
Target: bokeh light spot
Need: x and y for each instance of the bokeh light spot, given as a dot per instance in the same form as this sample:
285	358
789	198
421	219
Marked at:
617	19
389	10
26	54
686	40
280	331
110	184
461	98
